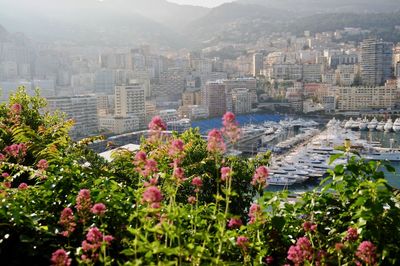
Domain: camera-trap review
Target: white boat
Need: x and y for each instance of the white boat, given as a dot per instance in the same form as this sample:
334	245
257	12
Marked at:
396	125
373	124
363	124
356	124
389	125
281	181
349	123
380	126
382	156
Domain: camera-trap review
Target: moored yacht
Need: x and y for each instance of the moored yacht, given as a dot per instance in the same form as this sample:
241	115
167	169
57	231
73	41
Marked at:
381	126
373	124
396	125
389	125
363	124
349	123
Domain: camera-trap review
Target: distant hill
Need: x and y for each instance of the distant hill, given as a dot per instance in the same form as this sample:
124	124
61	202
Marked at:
108	22
307	7
233	20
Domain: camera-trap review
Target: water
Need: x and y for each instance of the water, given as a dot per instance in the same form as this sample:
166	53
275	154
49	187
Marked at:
384	138
208	124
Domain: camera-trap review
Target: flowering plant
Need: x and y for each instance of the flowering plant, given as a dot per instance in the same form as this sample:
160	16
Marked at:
180	200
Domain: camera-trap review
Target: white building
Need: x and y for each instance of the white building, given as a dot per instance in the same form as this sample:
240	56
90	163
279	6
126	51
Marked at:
366	98
168	115
130	101
241	100
82	109
119	124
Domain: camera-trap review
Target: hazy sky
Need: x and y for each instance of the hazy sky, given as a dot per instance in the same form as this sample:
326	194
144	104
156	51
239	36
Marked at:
207	3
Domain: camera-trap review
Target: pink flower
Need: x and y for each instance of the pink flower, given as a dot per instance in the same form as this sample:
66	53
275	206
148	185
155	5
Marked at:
5	175
269	260
226	173
235	223
16	108
366	252
99	209
157	124
140	156
108	238
301	252
215	142
94	235
351	234
339	246
152	195
228	119
309	227
7	184
16	150
2	157
192	200
60	258
67	220
242	242
254	213
231	128
260	177
176	148
22	186
197	182
150	167
179	174
83	204
42	164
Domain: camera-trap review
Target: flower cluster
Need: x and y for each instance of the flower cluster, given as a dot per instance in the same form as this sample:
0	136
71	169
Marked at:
67	220
226	173
60	258
231	129
144	166
216	142
99	209
255	213
301	252
83	204
198	183
16	150
42	165
176	150
157	124
235	223
309	227
92	244
260	177
366	252
153	196
351	234
242	242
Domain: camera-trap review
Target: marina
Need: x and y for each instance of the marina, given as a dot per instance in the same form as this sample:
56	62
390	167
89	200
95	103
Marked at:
302	157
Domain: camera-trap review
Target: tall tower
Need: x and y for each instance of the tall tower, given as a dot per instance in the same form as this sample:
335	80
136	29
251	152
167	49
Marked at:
376	62
130	101
257	63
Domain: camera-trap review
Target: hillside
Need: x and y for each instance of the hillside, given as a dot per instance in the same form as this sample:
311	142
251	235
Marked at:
307	7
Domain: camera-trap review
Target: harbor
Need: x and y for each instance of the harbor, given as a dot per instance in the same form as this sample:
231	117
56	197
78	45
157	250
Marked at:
301	149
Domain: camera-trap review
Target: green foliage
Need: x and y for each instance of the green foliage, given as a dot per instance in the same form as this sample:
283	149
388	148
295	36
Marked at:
185	224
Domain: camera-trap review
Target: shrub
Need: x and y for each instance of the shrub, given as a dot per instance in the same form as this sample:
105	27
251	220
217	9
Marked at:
179	200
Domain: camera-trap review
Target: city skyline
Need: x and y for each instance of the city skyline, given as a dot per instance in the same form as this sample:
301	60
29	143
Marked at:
204	3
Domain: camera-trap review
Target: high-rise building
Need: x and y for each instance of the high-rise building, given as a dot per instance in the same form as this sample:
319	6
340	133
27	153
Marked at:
82	109
214	96
130	101
376	62
258	61
241	101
